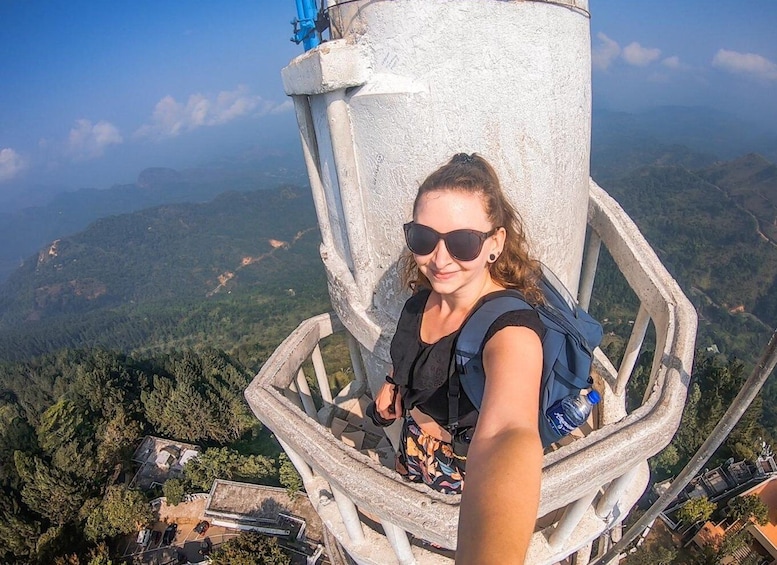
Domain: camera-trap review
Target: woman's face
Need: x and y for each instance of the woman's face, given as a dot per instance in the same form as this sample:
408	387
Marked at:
445	211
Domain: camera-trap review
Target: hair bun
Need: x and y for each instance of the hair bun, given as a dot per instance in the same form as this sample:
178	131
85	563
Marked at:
463	158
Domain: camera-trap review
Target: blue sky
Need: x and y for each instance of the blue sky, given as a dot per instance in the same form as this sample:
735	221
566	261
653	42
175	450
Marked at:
93	92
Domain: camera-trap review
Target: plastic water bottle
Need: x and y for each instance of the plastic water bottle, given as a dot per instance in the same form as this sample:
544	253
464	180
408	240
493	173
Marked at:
571	412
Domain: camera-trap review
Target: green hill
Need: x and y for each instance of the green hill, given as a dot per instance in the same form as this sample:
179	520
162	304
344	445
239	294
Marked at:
710	240
178	275
23	231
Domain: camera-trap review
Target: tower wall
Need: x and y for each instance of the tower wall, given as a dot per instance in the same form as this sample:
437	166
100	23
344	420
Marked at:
405	84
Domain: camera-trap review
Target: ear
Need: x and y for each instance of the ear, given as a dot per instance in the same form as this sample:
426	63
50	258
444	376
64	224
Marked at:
497	242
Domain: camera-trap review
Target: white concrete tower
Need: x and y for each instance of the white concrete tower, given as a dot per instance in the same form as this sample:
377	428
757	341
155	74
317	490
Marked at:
406	84
401	86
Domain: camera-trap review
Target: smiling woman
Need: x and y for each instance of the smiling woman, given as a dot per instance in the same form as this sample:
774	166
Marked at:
466	244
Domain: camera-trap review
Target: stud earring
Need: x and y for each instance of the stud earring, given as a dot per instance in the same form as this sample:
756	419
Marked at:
492	257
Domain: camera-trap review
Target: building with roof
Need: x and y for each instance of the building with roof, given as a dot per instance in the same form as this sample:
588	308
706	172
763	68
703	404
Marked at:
160	459
765	535
268	510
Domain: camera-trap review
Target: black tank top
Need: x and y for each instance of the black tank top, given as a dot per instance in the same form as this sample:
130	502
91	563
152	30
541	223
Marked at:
421	369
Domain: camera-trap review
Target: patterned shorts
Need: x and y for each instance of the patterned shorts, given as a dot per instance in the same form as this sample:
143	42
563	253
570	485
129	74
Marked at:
425	459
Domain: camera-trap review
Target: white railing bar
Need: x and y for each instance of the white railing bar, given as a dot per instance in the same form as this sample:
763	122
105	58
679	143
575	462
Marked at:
298	461
573	513
292	393
357	362
614	537
349	515
397	537
588	274
636	339
613	493
321	377
301	384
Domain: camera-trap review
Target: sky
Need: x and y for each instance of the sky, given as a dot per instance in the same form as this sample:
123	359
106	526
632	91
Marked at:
93	92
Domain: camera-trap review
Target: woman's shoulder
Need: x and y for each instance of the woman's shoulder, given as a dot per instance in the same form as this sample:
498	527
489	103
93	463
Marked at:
528	318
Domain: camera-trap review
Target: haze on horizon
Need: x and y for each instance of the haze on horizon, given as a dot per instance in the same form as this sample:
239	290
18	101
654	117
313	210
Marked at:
94	93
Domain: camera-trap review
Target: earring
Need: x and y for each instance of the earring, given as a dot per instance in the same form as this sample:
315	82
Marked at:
493	257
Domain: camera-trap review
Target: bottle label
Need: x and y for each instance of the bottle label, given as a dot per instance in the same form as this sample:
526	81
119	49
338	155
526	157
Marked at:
559	420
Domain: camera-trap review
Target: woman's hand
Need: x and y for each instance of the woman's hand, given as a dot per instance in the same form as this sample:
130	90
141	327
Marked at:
388	402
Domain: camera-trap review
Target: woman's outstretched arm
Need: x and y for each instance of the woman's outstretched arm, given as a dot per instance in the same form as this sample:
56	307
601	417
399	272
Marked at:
504	463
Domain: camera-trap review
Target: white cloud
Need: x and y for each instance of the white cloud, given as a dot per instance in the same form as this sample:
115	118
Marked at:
87	141
171	118
284	106
605	53
635	54
745	63
11	164
672	62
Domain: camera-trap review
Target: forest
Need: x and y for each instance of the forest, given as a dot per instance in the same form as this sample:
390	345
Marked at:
70	421
154	322
132	328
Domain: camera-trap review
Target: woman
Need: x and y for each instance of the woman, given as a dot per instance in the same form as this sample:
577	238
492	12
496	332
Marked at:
466	242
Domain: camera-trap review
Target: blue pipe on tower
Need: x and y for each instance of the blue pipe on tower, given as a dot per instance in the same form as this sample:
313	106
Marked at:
306	19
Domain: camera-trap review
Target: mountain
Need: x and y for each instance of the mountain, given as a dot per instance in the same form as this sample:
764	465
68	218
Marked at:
25	231
195	273
691	137
704	225
751	182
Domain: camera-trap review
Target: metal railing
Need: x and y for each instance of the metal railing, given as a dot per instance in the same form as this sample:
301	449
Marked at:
588	486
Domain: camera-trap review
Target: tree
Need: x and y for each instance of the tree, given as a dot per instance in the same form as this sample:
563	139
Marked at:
57	544
226	463
66	433
120	512
749	507
666	460
15	433
732	542
49	491
251	548
100	555
652	554
173	489
199	398
289	476
696	509
18	535
119	434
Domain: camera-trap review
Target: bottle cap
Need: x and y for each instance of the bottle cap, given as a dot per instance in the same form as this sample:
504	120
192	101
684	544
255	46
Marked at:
593	397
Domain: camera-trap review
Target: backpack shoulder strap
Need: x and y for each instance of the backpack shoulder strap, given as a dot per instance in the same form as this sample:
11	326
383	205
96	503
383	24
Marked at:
468	352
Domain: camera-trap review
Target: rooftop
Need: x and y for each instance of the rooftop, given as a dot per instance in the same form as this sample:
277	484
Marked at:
246	503
160	459
767	492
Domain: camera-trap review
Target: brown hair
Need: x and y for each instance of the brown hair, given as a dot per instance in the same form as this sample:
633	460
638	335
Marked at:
514	268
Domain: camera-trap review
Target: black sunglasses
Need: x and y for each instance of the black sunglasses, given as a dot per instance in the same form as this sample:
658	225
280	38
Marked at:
464	245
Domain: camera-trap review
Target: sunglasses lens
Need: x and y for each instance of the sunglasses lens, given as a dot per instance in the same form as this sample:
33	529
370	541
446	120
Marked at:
464	245
420	239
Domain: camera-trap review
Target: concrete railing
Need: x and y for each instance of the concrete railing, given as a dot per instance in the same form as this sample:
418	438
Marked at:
588	486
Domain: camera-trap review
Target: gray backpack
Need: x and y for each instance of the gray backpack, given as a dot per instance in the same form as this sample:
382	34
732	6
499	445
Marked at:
571	335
